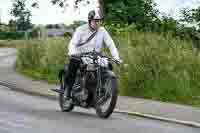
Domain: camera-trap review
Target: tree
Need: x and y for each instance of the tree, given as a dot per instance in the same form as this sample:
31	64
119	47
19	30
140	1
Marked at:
168	24
64	3
140	12
191	16
12	25
22	13
76	24
49	26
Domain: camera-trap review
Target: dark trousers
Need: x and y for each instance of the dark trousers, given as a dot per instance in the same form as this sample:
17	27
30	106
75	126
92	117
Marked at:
70	77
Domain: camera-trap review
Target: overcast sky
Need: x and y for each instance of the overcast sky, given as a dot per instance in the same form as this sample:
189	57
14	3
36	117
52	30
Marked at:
47	13
173	7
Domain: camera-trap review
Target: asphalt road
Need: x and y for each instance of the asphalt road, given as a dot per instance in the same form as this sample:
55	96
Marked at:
21	113
7	57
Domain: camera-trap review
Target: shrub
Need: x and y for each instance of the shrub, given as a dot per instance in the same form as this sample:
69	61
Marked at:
11	35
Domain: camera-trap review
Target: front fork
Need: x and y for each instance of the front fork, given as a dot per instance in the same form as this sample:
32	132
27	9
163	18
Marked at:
99	82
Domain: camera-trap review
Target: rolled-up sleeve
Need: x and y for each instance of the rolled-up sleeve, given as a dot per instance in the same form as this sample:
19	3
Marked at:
73	43
110	44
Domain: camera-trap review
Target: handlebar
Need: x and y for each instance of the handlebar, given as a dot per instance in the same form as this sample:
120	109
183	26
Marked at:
94	55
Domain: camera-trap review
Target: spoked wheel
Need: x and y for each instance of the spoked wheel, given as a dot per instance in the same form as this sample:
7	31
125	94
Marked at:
106	104
65	104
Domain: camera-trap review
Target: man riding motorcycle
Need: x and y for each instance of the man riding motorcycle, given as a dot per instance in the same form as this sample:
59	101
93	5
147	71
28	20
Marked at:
86	38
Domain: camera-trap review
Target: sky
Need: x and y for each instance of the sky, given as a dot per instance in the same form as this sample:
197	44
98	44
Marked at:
172	7
48	14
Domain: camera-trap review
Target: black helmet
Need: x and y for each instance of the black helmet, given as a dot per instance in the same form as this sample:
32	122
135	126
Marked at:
93	14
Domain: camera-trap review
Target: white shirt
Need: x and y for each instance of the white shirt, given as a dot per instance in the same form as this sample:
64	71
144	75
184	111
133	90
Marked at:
82	33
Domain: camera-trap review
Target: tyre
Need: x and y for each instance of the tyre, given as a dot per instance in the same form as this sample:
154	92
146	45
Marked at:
65	105
111	89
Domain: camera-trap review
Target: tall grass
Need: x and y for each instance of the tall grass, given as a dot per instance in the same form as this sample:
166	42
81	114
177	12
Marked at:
42	59
163	69
157	67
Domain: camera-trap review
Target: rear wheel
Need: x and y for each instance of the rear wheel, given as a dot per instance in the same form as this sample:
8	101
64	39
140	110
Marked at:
106	104
65	105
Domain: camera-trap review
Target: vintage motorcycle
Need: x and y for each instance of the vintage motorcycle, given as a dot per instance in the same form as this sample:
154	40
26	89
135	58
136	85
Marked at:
95	85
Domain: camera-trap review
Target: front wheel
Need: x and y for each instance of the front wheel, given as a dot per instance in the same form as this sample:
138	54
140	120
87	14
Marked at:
105	108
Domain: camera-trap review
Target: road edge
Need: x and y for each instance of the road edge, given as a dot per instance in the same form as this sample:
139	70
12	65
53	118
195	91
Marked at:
148	116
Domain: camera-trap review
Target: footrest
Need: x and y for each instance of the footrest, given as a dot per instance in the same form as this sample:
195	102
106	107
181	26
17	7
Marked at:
58	90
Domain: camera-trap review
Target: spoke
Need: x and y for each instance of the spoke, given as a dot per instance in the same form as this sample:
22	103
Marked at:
66	103
107	97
